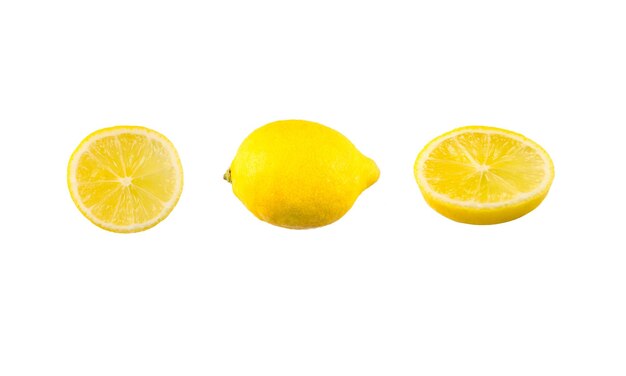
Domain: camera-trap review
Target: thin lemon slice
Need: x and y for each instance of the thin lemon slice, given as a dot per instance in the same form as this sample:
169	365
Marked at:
125	178
483	175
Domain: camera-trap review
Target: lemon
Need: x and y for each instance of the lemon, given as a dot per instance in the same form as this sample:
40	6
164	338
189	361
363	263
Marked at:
483	175
125	178
299	174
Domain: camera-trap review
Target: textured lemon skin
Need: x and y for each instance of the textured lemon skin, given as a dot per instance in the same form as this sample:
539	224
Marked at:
106	131
482	215
299	174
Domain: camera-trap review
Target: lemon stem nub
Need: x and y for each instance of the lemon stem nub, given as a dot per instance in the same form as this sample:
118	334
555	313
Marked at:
227	176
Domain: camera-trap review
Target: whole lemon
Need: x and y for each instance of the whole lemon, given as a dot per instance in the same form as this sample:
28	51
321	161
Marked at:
299	174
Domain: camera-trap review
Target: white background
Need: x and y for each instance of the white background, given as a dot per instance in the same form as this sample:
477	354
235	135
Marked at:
393	288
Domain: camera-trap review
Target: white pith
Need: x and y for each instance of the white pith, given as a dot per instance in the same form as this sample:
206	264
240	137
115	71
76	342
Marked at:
543	186
113	132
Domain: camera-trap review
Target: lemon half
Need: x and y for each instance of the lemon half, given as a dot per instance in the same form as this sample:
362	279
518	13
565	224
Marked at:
125	178
483	175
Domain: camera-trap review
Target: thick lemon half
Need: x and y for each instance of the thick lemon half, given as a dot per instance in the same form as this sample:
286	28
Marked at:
125	178
483	175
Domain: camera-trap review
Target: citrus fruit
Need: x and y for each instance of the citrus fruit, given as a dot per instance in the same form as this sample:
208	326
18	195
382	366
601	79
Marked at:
483	175
125	178
299	174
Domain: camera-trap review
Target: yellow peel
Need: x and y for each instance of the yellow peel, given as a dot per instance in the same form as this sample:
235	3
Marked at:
299	174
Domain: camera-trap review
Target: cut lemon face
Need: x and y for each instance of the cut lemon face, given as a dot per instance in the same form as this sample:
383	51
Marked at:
125	178
483	175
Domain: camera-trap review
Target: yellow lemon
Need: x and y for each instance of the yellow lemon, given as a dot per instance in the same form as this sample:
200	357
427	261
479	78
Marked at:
299	174
125	178
483	175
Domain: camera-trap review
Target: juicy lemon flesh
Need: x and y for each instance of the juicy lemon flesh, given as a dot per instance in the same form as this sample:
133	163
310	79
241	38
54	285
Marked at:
484	175
127	180
483	168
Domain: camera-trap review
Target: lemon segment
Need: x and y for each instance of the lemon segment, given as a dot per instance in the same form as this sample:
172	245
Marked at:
483	175
125	178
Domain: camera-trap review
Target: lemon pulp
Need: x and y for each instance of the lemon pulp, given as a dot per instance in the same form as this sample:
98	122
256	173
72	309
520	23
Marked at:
125	178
